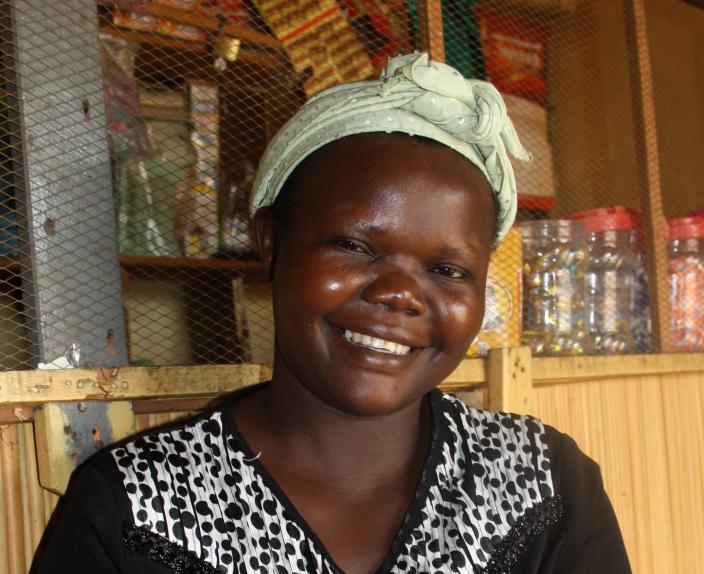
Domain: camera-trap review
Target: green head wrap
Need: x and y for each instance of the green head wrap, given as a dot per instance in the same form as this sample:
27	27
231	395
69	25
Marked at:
413	96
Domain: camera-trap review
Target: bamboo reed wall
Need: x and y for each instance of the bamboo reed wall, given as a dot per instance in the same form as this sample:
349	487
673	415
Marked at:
647	433
25	507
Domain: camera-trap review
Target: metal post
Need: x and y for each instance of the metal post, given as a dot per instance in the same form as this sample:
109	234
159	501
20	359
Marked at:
71	275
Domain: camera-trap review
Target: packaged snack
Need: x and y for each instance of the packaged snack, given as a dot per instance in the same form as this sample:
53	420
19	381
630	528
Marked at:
514	52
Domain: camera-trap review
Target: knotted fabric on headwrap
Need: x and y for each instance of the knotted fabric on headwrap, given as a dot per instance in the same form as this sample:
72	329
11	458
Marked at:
413	96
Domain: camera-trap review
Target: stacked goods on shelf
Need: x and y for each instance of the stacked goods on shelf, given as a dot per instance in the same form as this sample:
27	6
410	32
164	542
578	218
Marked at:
127	132
502	318
131	15
144	182
234	11
686	274
514	55
317	38
554	265
197	214
237	237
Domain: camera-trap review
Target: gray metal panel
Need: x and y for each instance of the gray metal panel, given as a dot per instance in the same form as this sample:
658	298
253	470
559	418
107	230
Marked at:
75	292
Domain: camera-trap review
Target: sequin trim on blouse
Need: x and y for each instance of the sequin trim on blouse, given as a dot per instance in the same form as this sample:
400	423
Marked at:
163	551
514	546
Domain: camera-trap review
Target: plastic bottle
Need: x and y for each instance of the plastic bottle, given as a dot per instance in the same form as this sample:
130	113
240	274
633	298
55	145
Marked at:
612	237
553	281
686	275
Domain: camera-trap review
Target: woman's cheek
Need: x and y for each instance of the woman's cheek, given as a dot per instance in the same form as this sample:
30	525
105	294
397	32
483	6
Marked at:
466	316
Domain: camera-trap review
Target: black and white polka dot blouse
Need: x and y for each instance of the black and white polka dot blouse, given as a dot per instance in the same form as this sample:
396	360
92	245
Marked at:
194	499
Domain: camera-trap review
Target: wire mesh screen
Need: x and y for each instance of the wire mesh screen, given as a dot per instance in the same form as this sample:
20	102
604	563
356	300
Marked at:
131	130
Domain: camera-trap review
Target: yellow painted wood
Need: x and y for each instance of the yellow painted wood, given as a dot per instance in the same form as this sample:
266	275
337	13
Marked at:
509	379
56	453
11	484
562	369
468	372
37	387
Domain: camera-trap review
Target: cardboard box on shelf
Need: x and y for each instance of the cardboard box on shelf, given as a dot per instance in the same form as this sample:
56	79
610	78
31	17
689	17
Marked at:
503	315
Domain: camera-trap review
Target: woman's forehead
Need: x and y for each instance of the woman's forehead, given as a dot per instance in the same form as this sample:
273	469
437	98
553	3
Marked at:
385	155
387	183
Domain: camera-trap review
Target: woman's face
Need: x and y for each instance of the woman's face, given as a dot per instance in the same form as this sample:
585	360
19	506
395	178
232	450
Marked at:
379	272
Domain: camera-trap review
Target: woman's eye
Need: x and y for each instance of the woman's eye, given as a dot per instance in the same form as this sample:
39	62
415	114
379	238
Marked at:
450	271
351	245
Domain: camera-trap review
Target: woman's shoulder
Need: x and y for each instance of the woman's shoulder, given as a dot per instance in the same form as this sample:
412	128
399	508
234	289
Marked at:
501	434
496	431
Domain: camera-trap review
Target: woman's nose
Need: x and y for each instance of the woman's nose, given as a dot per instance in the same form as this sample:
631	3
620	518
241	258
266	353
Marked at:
398	291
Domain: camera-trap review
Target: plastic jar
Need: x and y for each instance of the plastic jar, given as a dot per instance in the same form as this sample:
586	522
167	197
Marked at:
611	237
686	274
553	285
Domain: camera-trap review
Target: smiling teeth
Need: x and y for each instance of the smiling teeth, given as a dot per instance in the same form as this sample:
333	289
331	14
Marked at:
377	344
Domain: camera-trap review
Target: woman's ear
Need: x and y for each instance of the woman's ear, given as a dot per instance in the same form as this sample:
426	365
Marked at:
265	235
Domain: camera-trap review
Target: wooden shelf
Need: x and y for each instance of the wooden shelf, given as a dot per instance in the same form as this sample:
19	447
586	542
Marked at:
245	55
189	18
174	263
221	265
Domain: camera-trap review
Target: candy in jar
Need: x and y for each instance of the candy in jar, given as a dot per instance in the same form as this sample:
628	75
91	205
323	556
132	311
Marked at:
553	282
686	275
610	274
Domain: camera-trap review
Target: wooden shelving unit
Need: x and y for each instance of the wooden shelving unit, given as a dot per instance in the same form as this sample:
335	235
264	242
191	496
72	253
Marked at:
237	267
258	48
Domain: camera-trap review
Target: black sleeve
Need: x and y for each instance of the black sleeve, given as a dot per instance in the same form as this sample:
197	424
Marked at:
591	540
85	533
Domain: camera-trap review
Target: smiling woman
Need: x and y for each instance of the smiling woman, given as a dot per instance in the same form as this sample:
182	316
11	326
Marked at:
376	209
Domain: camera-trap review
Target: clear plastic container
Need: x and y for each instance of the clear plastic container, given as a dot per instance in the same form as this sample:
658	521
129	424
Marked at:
629	223
641	325
610	278
553	282
686	274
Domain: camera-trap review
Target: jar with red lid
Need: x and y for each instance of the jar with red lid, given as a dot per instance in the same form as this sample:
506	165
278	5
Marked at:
553	287
686	275
609	277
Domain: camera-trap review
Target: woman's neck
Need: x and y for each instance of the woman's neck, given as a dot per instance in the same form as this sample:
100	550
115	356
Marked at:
294	428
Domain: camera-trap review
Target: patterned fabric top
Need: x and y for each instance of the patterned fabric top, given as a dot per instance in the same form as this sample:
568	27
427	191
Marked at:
202	502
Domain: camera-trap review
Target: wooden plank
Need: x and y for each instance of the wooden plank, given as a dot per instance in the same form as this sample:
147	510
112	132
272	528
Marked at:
140	37
468	372
190	18
649	167
38	387
246	55
27	388
555	370
10	480
63	437
16	414
228	265
155	406
509	378
432	37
